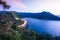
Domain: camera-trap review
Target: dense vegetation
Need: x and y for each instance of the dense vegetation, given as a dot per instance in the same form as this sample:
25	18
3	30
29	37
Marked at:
9	30
24	34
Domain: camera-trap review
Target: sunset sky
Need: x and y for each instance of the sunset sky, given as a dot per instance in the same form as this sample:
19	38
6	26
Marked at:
52	6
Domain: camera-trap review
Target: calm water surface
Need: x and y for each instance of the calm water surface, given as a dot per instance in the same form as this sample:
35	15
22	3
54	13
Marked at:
43	26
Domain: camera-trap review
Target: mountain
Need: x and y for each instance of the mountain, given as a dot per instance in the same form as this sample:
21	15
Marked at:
42	15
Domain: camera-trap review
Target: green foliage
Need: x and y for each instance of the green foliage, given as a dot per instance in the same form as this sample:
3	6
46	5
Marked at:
6	36
24	34
16	36
12	32
14	27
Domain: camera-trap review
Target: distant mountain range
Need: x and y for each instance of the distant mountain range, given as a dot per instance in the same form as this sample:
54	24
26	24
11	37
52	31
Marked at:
43	15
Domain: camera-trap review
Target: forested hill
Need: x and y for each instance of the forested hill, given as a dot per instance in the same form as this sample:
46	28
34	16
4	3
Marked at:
42	15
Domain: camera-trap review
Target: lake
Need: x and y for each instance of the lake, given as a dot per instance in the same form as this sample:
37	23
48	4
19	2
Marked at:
43	26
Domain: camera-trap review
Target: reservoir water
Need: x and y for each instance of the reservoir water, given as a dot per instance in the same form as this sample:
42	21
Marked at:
43	26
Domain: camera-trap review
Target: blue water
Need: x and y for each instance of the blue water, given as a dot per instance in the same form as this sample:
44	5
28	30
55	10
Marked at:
43	26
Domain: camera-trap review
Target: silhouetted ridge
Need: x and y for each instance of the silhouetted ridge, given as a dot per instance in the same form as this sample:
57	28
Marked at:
42	15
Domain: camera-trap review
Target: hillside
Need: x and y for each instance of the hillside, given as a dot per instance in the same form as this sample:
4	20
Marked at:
10	31
42	15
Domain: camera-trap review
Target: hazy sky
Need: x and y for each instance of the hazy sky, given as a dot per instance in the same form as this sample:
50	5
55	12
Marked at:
52	6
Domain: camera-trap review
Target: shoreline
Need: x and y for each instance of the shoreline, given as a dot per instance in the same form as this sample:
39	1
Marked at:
23	25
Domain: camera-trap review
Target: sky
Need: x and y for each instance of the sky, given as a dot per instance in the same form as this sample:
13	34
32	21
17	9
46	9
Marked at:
34	6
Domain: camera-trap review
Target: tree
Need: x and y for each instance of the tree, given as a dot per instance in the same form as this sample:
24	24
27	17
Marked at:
5	6
16	35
